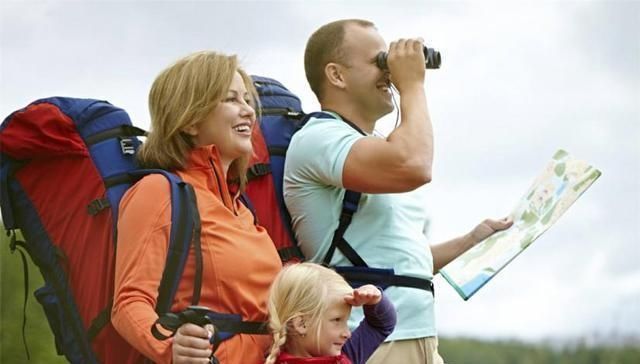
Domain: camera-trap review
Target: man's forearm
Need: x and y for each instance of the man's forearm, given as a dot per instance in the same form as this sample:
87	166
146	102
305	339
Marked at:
415	133
444	253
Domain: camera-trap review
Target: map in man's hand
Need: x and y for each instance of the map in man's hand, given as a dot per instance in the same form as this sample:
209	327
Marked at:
552	193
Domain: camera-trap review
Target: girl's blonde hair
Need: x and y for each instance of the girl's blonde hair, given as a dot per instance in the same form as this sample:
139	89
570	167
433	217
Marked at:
183	95
300	290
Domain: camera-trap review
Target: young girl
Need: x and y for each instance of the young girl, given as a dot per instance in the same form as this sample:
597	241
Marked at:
309	306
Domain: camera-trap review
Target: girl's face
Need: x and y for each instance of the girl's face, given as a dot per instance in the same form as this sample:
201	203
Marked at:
333	333
229	126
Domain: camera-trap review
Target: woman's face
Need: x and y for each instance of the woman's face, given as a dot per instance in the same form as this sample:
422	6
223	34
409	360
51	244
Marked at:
230	124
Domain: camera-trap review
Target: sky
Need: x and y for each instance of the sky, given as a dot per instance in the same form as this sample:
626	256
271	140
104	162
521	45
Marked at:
518	81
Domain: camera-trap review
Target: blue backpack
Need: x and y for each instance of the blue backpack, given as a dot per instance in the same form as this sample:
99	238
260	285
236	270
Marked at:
282	116
64	165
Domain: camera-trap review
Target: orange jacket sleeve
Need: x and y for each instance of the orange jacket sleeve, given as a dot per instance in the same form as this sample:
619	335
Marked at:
143	235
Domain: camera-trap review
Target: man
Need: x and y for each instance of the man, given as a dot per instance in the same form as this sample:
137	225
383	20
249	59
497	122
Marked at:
337	151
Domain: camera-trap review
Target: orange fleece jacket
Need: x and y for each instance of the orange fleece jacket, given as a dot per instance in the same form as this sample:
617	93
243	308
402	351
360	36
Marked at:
239	261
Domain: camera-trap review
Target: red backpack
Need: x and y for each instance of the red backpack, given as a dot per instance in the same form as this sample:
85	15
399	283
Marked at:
64	165
281	116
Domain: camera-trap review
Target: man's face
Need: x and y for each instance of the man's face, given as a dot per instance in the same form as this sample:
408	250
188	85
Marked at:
367	85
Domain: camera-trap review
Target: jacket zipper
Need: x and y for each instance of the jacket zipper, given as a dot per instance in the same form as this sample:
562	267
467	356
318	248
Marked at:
222	196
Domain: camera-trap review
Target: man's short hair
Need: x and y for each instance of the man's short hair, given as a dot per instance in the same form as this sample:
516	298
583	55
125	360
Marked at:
325	46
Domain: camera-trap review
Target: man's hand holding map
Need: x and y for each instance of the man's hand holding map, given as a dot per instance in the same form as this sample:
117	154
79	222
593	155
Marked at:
561	183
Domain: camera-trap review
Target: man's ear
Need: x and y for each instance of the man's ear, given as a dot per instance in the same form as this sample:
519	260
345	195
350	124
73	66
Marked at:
299	324
333	72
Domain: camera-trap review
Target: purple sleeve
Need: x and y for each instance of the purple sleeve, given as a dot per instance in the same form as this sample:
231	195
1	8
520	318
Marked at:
379	321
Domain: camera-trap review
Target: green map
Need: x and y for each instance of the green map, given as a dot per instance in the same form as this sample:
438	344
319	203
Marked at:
560	184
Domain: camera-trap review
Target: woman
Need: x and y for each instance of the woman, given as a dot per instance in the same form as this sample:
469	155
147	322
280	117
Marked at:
201	123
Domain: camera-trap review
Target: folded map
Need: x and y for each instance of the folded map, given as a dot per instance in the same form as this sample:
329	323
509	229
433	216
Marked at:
560	184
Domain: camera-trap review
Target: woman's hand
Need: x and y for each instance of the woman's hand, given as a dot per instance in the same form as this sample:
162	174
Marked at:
364	295
191	344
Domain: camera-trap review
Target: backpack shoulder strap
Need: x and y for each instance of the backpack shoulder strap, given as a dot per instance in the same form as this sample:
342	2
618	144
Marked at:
247	202
5	197
349	207
185	231
350	204
315	114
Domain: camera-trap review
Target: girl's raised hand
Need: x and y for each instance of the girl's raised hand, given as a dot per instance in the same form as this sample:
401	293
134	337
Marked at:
364	295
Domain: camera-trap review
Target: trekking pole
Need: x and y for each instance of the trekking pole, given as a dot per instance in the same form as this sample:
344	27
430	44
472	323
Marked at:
196	315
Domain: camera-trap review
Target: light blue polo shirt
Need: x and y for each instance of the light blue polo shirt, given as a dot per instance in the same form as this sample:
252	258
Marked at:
387	230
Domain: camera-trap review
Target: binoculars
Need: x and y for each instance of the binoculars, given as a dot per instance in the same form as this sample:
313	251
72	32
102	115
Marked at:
432	59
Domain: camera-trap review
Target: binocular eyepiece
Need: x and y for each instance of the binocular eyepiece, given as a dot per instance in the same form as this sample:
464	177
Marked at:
432	59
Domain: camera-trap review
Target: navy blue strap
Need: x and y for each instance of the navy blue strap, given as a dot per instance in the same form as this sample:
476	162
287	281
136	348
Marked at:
182	218
347	250
289	253
100	321
226	325
258	170
119	131
14	245
242	327
317	115
5	197
349	207
247	202
326	114
282	111
382	278
197	245
185	230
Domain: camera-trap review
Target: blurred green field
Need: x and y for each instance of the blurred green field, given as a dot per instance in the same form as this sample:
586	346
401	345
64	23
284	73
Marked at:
474	351
454	350
39	338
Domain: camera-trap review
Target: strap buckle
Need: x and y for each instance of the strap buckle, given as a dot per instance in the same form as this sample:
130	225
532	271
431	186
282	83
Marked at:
97	205
258	170
294	114
127	146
